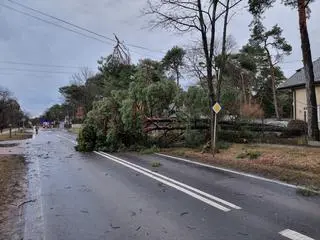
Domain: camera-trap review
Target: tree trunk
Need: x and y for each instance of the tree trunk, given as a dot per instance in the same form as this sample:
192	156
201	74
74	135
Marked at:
313	129
273	85
209	52
223	52
178	77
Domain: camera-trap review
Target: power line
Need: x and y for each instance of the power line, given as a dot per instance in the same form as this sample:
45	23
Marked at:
68	29
81	28
31	70
39	64
52	23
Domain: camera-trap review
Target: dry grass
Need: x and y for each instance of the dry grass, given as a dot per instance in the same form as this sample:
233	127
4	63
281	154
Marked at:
296	165
74	130
12	185
15	136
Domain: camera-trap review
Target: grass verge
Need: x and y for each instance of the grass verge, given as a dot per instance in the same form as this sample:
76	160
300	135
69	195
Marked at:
12	185
74	130
15	136
295	165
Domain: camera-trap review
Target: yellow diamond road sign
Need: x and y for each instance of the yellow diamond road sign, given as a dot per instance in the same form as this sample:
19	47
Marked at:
216	108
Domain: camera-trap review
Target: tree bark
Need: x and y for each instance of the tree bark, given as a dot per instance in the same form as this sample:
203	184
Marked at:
313	129
208	51
273	85
223	51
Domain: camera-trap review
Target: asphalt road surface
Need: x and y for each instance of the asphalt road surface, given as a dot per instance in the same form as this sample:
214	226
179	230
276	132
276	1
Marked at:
121	196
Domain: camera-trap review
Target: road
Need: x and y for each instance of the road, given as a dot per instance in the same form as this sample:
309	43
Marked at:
121	196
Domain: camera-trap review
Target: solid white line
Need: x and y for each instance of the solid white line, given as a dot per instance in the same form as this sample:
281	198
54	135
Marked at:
205	200
178	183
294	235
168	179
230	171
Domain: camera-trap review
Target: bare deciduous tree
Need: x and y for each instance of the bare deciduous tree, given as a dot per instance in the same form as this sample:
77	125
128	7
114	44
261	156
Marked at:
193	15
80	77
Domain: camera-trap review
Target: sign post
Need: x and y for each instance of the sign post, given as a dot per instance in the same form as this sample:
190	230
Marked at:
23	120
216	108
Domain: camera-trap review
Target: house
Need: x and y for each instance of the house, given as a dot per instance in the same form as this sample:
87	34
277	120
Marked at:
296	83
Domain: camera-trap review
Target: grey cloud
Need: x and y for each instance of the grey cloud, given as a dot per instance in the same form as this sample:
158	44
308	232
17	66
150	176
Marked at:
24	39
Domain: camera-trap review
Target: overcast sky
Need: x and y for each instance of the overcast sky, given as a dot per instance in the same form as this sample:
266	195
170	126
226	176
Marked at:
27	40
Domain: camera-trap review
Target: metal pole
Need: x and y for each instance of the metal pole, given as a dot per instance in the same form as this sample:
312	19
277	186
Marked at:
214	133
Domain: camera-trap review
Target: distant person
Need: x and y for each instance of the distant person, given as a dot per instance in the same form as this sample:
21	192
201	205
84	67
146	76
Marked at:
37	128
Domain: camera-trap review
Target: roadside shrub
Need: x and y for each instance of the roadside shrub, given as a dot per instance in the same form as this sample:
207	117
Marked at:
295	128
297	124
223	145
249	154
150	150
87	139
243	136
253	154
194	138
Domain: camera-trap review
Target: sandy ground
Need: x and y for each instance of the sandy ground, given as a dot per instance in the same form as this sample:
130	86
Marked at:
292	164
13	183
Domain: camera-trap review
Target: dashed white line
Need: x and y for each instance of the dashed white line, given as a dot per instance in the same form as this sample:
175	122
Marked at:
293	235
175	184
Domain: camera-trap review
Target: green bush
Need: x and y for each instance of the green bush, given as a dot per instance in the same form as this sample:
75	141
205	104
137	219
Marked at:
194	138
87	139
253	154
150	150
249	154
297	124
295	128
223	145
243	136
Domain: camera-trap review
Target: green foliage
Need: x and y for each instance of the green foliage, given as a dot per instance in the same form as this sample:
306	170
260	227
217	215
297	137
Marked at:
295	128
297	124
194	138
56	113
222	145
150	150
10	110
308	191
87	139
270	38
249	154
242	136
196	102
258	7
174	61
156	164
131	94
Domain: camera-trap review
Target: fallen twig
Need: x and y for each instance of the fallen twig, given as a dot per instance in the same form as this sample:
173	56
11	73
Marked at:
33	200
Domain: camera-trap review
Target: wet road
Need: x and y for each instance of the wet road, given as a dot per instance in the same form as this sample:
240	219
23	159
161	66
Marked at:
98	196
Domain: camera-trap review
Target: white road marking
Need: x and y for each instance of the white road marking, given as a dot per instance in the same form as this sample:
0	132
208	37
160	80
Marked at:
165	180
178	183
171	183
288	233
230	171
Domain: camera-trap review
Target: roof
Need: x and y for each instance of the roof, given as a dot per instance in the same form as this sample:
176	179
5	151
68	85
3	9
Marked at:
298	79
